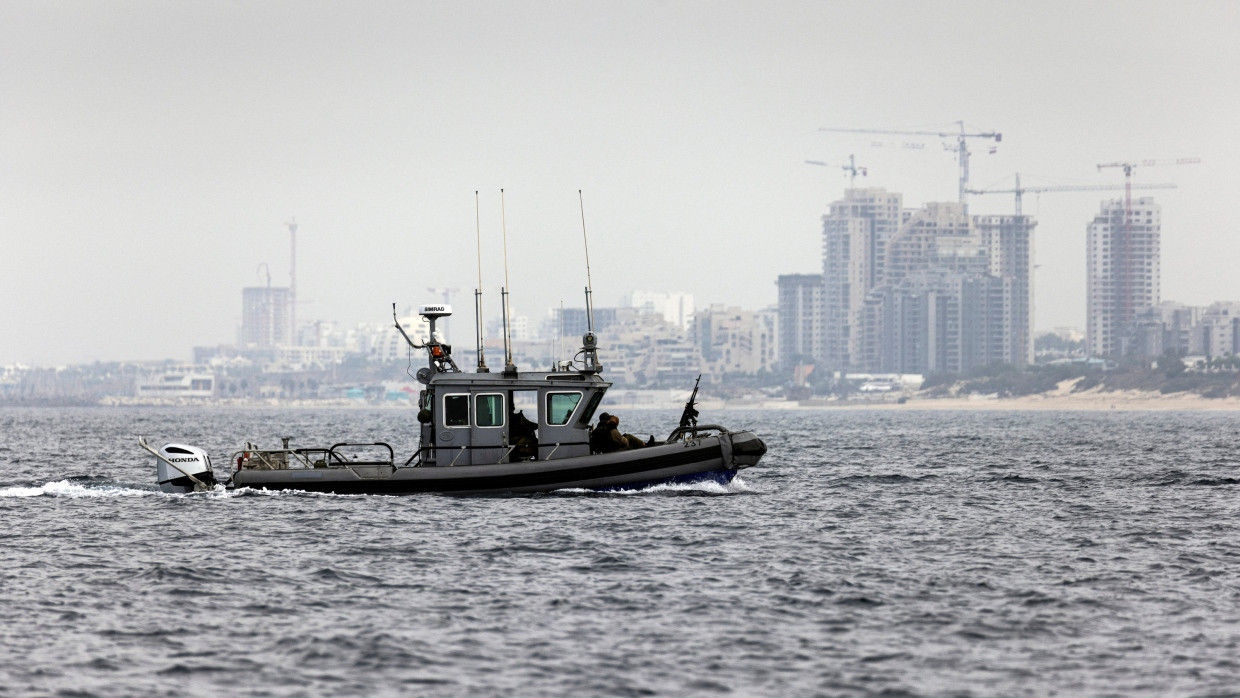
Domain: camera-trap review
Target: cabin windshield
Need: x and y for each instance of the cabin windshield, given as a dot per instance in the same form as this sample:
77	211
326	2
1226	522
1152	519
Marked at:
588	413
560	407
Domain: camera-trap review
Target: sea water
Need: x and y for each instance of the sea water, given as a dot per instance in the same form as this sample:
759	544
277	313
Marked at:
871	553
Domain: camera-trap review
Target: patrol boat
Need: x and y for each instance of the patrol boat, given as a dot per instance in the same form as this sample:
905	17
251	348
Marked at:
473	440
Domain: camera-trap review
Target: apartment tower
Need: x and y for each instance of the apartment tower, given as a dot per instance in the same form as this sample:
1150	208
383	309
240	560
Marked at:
1123	248
854	242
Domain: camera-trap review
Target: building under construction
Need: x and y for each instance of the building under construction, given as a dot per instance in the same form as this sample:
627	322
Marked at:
925	290
1124	267
265	317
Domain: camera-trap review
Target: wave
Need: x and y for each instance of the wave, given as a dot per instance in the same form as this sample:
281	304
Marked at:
94	487
736	486
90	487
75	489
888	479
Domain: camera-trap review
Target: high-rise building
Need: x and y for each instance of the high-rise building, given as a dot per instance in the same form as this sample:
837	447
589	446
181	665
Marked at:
854	240
954	294
800	315
265	316
940	320
1008	243
1124	267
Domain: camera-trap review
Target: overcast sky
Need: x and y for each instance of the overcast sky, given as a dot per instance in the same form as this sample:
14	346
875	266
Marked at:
152	152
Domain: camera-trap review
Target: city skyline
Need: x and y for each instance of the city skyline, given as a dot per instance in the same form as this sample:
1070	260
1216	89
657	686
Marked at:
154	153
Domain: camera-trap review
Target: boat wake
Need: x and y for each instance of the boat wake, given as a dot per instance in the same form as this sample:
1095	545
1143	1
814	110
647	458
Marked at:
79	488
736	486
85	487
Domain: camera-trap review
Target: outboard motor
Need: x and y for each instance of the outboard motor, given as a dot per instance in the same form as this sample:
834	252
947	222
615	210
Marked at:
183	469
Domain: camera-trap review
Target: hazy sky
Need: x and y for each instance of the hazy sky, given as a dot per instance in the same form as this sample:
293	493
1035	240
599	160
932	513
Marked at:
151	152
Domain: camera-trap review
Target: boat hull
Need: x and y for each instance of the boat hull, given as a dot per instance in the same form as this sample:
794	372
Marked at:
709	458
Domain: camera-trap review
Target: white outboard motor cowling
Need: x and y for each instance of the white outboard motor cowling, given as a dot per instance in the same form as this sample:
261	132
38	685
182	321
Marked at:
177	462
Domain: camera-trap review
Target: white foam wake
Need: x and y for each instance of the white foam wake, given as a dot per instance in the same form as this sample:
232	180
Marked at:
736	486
64	488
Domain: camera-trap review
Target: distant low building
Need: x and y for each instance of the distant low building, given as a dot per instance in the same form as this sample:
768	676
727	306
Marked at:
737	341
1212	331
176	382
572	322
676	308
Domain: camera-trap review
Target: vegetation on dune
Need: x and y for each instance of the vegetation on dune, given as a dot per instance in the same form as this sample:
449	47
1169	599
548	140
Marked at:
1004	380
1166	375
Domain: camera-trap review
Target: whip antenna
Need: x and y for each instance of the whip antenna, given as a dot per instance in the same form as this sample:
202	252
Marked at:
509	367
589	342
589	284
482	359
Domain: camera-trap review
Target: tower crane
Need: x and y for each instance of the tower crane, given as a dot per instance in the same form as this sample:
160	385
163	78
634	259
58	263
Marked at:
1019	191
851	168
1130	166
1124	275
961	147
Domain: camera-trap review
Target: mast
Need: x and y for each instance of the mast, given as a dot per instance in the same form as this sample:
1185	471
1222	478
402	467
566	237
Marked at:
589	342
482	360
509	367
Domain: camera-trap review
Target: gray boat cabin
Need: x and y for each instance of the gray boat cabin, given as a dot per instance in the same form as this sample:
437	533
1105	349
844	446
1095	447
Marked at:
486	418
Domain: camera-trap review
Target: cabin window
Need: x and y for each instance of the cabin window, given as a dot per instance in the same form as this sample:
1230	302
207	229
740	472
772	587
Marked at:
489	410
592	405
521	403
456	410
560	407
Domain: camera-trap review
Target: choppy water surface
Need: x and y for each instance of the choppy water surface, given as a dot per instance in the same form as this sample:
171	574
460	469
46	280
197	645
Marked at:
893	553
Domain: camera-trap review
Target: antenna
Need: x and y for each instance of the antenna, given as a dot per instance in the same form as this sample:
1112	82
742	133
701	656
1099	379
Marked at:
482	359
509	367
589	284
589	342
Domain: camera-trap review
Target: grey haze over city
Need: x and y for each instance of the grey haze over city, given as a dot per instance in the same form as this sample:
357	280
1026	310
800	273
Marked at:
152	153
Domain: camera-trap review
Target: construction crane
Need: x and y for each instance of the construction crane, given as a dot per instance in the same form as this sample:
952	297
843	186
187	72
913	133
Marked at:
961	147
1124	275
851	168
1130	166
1019	191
